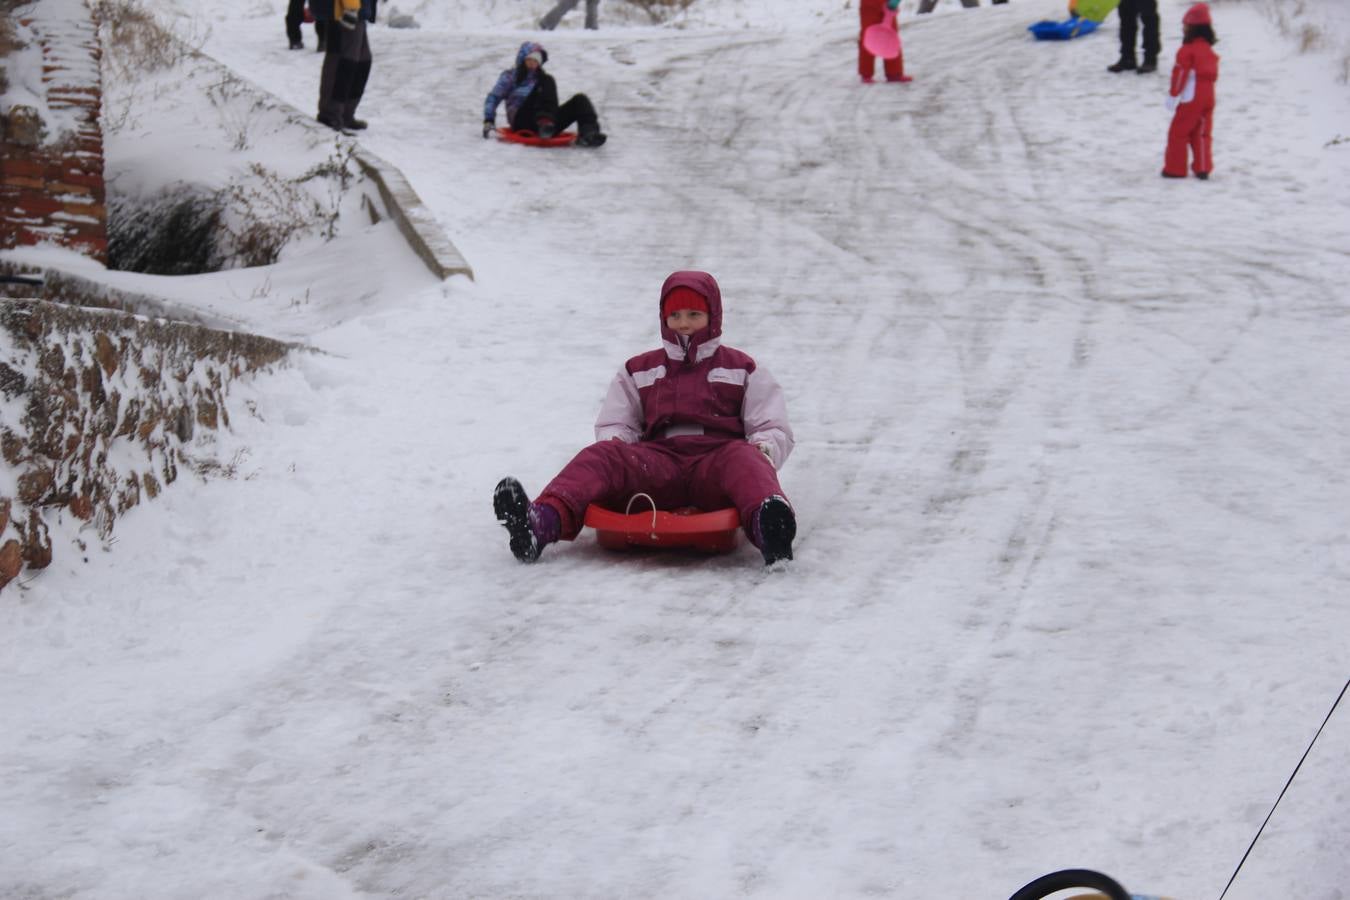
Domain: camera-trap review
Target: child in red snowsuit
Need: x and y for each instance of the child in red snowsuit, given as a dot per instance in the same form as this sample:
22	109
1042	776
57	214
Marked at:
694	423
873	12
1192	97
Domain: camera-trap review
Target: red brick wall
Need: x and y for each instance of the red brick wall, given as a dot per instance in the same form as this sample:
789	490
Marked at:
54	192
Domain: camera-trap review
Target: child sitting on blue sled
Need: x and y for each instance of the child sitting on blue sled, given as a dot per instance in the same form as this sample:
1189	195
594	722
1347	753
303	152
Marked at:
531	98
694	423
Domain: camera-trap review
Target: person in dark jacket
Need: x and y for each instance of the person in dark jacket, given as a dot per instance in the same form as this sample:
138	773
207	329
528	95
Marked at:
1132	14
346	60
531	98
692	423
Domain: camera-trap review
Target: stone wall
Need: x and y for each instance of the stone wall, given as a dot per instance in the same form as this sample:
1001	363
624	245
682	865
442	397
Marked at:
51	178
101	409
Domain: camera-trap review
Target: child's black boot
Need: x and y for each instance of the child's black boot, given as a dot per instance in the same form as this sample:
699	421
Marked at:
775	526
512	507
590	136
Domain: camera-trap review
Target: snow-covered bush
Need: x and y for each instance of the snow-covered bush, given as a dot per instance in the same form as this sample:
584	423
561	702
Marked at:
205	171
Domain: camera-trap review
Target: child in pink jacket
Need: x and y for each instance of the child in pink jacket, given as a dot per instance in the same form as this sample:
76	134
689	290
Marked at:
1192	97
694	423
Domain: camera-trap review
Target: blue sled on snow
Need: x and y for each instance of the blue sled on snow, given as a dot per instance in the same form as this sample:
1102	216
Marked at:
1062	31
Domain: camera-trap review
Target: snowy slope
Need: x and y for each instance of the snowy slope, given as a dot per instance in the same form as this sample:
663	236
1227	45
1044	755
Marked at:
1071	575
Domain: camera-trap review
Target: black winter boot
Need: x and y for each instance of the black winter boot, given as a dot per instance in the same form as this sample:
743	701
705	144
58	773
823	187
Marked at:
777	526
1124	65
1149	65
591	137
512	507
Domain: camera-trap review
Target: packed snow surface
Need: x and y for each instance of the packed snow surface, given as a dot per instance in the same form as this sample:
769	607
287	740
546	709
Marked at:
1071	578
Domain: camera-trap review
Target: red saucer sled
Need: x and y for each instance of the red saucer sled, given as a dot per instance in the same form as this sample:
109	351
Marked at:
530	139
718	531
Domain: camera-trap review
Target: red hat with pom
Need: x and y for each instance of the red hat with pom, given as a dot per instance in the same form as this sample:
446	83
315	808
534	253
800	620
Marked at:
1197	15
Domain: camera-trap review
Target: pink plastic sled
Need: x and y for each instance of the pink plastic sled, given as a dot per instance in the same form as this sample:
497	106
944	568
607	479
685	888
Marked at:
883	40
718	531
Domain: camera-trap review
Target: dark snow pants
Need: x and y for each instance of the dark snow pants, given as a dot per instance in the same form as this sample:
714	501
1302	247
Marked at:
1132	13
295	16
346	68
696	470
543	102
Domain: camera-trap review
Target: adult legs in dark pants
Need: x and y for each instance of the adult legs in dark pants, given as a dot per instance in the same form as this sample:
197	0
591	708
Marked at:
926	6
346	69
295	15
554	16
1133	13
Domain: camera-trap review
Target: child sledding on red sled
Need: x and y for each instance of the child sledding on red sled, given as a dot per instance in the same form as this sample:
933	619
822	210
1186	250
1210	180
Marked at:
694	423
531	98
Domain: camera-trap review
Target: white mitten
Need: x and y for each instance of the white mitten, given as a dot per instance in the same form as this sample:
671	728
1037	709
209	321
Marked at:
1171	103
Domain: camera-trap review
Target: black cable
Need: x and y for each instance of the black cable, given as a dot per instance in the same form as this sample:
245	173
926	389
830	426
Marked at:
1071	878
1285	788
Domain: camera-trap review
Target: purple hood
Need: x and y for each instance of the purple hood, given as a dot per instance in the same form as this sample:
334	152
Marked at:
705	285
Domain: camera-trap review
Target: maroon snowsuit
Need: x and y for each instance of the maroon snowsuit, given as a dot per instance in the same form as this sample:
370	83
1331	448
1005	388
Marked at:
691	424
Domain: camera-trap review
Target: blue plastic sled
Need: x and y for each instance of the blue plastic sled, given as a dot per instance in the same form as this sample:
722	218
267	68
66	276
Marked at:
1062	31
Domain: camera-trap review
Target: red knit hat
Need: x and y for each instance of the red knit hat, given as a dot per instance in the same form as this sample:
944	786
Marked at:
681	297
1197	15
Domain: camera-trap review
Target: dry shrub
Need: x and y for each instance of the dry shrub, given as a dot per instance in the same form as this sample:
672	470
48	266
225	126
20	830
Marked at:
176	236
1310	37
247	223
138	41
660	11
269	210
9	40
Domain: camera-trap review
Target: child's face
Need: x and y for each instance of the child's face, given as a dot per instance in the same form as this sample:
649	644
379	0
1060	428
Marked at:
531	63
685	322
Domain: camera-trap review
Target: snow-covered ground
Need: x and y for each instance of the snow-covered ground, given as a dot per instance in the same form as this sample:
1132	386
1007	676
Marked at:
1074	554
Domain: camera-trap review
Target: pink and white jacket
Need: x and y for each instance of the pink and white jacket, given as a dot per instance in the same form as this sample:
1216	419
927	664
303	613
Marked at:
700	387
